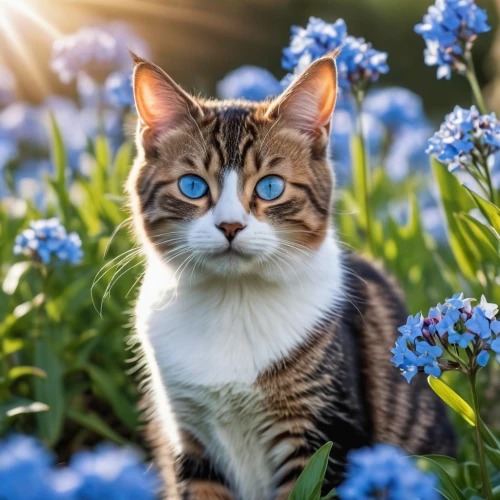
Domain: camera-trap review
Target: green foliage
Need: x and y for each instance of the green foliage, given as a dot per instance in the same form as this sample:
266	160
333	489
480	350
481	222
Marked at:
63	366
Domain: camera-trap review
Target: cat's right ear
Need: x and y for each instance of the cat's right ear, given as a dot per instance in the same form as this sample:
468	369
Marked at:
308	103
161	104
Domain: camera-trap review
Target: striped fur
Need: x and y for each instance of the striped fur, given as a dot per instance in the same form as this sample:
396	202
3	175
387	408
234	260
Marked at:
259	349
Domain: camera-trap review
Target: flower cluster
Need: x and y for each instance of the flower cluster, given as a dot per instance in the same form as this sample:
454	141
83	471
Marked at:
90	50
27	471
385	472
249	82
316	39
449	29
358	62
95	51
47	241
448	326
465	138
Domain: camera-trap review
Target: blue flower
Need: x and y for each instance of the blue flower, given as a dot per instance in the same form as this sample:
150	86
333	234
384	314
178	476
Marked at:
462	339
403	357
385	472
449	29
249	82
495	345
26	472
316	39
428	357
479	324
413	327
495	326
358	62
463	135
483	358
47	241
114	474
118	89
457	301
7	86
395	107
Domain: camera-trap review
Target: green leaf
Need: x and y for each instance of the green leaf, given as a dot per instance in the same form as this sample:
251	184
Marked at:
332	494
471	474
125	410
59	160
312	476
50	392
493	454
454	201
21	371
15	273
121	167
482	242
447	488
489	437
94	422
496	493
490	211
452	399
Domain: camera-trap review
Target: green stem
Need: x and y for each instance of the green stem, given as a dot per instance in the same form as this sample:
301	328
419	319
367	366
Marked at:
365	181
490	183
470	73
480	447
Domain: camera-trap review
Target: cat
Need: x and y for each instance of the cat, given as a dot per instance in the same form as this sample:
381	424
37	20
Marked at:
262	338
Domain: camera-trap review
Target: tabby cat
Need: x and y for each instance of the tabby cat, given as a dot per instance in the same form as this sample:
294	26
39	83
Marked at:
263	339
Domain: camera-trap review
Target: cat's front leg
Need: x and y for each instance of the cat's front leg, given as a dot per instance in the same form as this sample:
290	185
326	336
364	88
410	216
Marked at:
198	477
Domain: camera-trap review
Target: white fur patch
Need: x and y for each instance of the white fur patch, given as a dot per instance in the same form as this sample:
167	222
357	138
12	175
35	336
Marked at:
210	339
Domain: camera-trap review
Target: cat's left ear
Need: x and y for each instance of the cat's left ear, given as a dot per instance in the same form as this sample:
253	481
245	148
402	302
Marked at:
309	102
161	104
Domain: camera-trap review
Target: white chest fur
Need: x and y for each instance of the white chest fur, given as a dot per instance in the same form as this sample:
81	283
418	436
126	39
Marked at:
210	341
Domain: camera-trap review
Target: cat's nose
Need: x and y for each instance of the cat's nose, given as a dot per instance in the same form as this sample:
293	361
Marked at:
230	229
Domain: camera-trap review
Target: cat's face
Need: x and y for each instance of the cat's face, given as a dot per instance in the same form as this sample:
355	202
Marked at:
233	187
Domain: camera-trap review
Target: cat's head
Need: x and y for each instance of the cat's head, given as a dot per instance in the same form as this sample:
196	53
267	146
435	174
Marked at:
233	187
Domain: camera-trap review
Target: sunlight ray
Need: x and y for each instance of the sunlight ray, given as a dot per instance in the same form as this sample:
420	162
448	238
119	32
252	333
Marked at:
23	53
203	19
31	13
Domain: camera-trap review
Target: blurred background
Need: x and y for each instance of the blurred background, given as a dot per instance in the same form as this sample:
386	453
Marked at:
68	368
199	41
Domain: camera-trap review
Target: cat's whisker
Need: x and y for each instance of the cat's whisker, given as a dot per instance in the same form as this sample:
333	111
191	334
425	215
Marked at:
128	220
131	253
116	277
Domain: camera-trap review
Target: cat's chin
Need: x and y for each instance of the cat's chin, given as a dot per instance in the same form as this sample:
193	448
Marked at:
232	262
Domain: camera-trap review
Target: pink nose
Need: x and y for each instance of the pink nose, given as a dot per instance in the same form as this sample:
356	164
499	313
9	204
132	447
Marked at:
230	229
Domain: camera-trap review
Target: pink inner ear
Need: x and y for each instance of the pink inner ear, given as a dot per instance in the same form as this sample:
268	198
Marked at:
160	105
308	104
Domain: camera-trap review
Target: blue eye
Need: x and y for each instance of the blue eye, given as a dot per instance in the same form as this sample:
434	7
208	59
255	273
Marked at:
270	187
193	186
